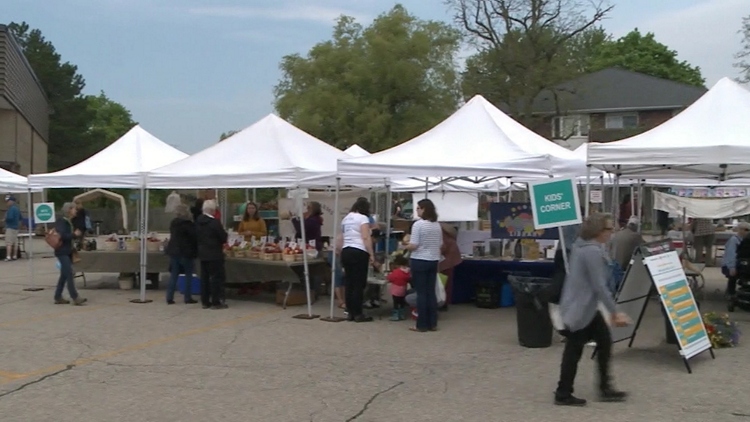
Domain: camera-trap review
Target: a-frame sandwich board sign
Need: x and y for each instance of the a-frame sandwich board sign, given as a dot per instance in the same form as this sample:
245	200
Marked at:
655	269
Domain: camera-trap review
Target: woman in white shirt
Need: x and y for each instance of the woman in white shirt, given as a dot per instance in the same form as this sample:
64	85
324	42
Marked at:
355	247
424	243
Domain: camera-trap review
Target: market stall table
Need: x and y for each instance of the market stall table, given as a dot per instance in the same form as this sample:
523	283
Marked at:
21	242
472	271
238	270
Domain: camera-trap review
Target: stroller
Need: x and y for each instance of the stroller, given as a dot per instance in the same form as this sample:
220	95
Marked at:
741	298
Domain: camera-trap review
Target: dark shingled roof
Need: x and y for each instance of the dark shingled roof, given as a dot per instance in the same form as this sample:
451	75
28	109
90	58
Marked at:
616	89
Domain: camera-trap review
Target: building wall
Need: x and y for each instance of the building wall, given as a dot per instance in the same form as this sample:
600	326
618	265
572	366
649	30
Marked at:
20	87
598	132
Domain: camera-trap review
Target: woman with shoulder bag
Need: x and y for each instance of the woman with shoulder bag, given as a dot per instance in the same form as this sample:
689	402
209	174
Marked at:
64	253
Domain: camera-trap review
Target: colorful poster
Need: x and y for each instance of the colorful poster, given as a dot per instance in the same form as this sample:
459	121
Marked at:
675	294
514	220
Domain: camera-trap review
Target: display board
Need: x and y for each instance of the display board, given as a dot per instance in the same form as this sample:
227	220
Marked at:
451	206
555	203
656	267
514	220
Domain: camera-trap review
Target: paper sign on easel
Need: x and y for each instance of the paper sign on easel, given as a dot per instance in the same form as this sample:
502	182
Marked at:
657	265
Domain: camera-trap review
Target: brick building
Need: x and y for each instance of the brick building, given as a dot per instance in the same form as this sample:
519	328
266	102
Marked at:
609	105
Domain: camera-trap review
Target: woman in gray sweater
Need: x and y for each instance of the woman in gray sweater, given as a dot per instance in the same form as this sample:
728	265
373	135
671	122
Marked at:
584	289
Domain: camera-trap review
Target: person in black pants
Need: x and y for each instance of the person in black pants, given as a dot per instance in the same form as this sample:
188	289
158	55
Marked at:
211	239
355	246
182	250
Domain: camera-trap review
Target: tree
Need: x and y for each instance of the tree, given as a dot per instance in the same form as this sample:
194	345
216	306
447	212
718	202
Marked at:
643	54
376	86
743	56
109	120
225	135
525	46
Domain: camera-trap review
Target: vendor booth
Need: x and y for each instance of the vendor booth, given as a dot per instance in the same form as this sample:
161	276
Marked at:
477	144
123	164
268	154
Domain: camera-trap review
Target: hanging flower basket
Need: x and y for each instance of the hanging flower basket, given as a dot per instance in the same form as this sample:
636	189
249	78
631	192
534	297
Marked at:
721	331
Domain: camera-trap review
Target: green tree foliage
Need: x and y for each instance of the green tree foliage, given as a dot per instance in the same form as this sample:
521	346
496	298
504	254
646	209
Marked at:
376	86
526	46
743	56
80	125
644	54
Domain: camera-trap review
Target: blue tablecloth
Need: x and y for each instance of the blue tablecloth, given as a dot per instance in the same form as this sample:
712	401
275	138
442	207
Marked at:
469	272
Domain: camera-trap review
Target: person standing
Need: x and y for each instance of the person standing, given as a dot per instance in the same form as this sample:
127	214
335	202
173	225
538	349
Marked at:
79	221
211	239
64	255
729	267
313	218
425	243
252	225
12	225
625	242
584	289
451	259
182	250
704	234
354	245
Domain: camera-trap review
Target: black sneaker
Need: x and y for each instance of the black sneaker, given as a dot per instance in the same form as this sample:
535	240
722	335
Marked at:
221	306
612	396
570	401
362	318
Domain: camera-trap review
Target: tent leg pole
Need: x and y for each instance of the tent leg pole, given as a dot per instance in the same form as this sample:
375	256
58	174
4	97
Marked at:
301	211
334	259
588	191
30	248
143	223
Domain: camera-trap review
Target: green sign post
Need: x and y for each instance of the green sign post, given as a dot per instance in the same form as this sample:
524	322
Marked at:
554	203
44	212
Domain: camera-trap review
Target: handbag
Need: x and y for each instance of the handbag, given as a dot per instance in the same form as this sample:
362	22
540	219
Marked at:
53	239
439	290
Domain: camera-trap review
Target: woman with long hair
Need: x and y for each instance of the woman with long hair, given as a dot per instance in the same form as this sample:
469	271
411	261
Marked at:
354	245
425	244
252	225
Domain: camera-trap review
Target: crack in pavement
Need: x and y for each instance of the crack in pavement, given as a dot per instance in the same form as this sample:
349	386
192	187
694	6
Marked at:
36	381
372	399
746	415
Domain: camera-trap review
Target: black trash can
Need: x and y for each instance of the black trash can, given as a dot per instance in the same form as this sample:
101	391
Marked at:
532	312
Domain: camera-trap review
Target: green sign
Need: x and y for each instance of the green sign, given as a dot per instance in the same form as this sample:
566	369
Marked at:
555	203
44	212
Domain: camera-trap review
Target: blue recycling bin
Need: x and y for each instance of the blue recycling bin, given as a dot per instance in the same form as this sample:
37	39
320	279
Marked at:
195	284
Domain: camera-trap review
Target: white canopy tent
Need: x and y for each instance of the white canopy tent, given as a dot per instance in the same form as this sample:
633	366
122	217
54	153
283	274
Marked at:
13	183
477	141
271	153
708	140
122	164
433	184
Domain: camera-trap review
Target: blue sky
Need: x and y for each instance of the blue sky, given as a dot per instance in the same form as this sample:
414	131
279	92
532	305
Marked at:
192	69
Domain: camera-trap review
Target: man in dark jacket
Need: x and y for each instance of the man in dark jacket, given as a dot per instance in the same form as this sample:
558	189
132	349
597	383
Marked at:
64	254
182	250
211	240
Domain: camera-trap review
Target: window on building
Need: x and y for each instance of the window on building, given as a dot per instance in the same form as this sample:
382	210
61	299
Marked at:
621	121
564	127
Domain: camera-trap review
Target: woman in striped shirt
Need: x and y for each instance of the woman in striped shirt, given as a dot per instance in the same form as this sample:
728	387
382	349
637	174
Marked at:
424	243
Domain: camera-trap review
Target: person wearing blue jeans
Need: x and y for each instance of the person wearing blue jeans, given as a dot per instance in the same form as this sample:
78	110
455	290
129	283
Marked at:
182	250
425	243
64	254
